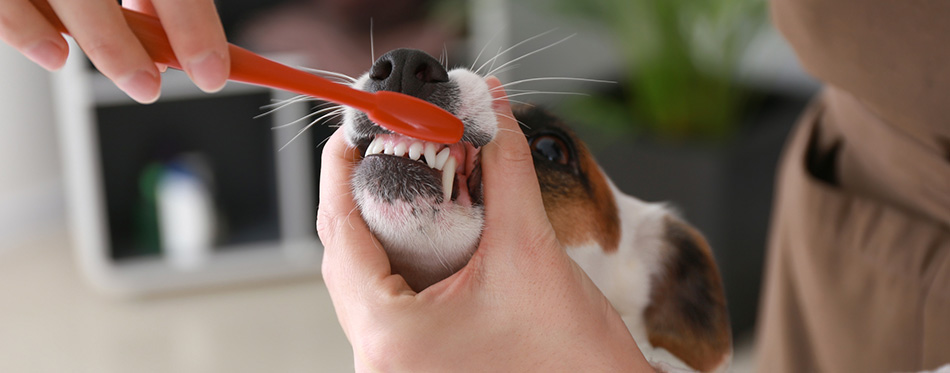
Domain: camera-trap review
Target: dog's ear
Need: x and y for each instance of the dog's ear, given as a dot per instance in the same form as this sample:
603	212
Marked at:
687	313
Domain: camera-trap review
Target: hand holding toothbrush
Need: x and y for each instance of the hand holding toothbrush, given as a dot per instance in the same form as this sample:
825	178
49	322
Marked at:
193	28
397	112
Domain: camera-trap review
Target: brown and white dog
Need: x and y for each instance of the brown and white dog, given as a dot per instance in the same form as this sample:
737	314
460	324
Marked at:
423	201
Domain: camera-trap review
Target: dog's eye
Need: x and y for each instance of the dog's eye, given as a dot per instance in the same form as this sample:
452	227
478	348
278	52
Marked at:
552	148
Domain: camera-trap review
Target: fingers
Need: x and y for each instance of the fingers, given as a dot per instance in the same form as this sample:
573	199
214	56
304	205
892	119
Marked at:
352	260
193	28
513	204
26	30
100	29
197	37
144	6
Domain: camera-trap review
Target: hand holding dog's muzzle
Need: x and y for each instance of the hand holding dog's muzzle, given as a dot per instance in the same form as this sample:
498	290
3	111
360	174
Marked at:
520	304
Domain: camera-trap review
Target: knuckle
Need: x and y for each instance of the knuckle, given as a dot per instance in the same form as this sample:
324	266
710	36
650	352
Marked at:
110	56
14	32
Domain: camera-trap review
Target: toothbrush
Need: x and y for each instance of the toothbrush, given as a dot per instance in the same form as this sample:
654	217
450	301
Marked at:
397	112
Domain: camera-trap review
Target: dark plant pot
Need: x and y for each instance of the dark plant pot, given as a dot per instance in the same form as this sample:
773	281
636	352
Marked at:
724	189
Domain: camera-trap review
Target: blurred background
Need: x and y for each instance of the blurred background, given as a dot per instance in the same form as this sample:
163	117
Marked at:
176	237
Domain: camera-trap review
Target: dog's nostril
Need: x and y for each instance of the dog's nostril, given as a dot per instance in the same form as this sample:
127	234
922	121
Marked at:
381	70
422	74
408	71
431	72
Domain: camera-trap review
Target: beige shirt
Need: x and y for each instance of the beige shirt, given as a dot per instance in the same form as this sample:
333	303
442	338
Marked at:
858	274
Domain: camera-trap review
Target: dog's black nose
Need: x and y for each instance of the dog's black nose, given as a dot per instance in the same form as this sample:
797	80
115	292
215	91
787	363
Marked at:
409	71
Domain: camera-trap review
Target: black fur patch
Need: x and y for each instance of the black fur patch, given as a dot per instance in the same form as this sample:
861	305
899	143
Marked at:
690	268
396	178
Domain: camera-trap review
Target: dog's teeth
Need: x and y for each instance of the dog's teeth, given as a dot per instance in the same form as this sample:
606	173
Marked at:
369	148
430	154
441	158
388	148
400	149
374	147
415	150
448	178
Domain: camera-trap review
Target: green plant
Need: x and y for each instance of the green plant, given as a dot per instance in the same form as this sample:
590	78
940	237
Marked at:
681	58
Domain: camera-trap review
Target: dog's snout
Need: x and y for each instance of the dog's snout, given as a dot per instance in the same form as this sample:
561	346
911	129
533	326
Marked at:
409	71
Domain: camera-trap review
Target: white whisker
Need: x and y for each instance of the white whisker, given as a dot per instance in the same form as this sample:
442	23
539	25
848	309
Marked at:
446	52
531	53
513	131
330	73
525	103
313	114
323	142
548	93
485	47
438	253
280	105
510	48
497	89
327	116
492	66
514	119
555	78
507	69
372	47
350	222
278	102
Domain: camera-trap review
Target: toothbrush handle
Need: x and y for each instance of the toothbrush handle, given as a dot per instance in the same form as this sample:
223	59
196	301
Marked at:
246	66
400	113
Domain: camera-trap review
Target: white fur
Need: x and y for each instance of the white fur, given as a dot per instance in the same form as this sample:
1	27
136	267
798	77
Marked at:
476	103
350	114
424	238
624	275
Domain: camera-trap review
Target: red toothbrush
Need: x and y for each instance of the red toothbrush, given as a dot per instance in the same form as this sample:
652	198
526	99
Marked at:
397	112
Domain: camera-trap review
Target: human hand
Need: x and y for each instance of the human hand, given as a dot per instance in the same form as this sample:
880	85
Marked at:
193	28
520	304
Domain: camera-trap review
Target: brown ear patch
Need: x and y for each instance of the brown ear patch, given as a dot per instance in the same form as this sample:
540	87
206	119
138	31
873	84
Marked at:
588	212
577	196
687	314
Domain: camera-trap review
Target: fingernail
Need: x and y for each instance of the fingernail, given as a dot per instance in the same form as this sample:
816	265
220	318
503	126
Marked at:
208	72
143	86
46	53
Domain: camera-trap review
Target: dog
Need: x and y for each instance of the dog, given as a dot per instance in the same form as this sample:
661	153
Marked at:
423	201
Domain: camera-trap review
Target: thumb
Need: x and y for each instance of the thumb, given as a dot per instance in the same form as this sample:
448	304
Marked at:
353	260
514	210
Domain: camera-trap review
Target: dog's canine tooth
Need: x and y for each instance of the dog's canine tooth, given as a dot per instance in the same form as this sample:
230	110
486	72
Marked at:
448	178
400	149
374	147
369	149
415	150
430	154
441	158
